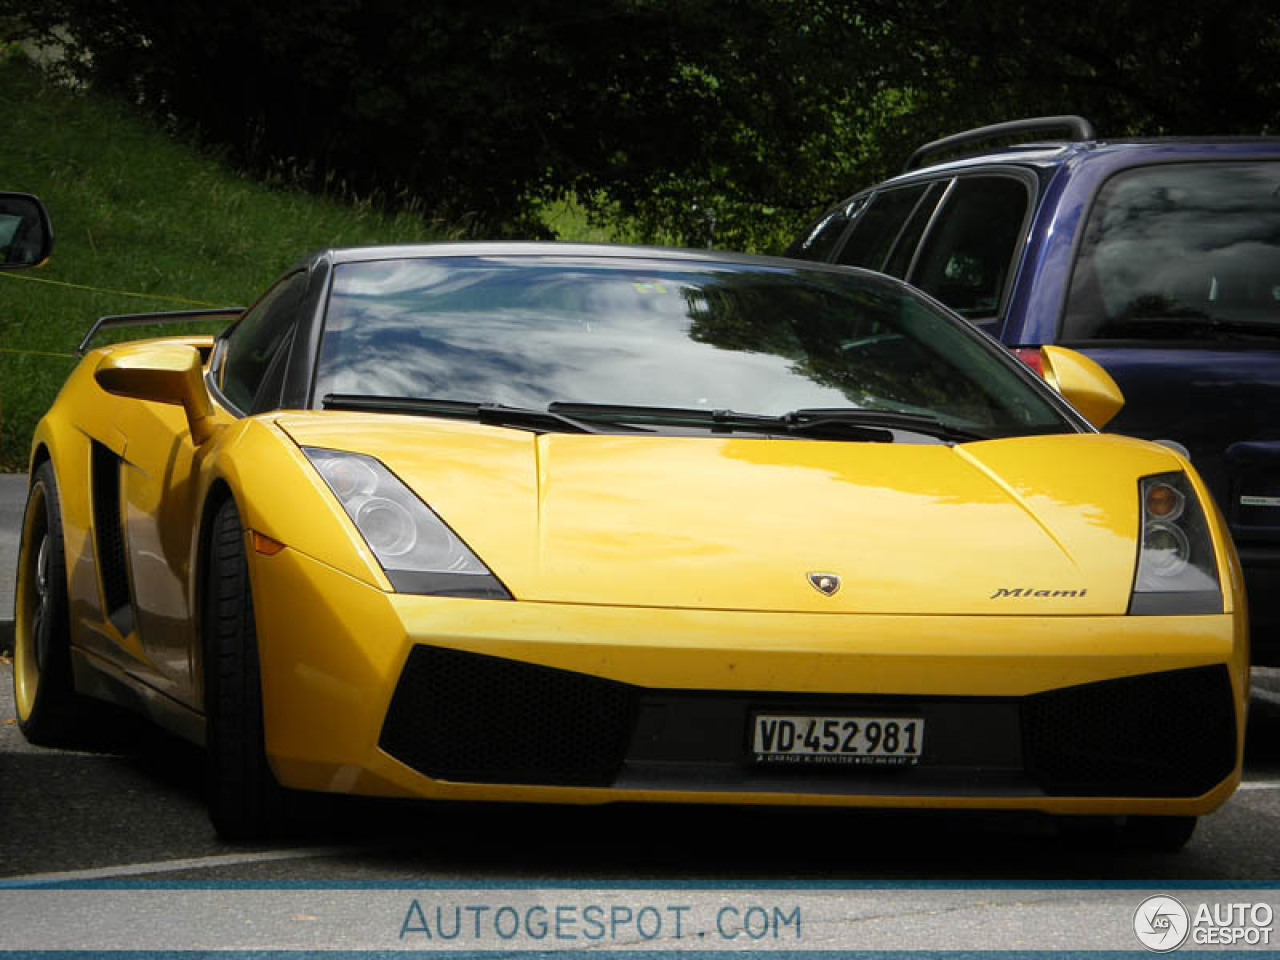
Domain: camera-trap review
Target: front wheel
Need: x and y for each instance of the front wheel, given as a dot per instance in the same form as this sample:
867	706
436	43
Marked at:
48	707
245	801
1159	834
1152	834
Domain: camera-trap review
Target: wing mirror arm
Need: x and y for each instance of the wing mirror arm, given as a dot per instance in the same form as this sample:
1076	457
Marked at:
162	373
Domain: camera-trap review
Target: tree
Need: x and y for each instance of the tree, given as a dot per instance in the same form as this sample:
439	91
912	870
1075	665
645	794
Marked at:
724	121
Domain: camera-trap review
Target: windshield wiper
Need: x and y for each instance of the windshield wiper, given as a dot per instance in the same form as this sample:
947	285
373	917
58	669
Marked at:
1187	325
726	420
1248	328
495	414
849	423
821	419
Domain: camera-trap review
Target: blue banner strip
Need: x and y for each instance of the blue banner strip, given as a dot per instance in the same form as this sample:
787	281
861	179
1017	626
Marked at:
619	954
35	882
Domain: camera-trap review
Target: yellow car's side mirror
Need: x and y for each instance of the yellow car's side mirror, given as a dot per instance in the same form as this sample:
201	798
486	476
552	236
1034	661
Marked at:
162	373
26	235
1084	384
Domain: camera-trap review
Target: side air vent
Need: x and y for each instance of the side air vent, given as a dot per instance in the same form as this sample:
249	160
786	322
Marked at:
108	534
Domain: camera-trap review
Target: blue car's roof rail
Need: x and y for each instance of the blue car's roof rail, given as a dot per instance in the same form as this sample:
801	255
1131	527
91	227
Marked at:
1078	129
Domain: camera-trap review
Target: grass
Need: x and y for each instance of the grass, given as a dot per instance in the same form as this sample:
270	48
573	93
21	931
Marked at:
140	218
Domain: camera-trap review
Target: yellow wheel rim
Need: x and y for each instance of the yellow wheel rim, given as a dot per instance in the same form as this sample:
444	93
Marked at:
31	603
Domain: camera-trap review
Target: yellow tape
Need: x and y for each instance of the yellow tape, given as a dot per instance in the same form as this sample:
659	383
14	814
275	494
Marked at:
38	353
117	293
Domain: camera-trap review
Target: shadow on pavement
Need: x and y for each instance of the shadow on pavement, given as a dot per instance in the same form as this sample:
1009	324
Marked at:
132	794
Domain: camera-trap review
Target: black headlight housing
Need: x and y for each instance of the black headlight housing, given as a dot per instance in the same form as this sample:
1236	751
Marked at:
1177	571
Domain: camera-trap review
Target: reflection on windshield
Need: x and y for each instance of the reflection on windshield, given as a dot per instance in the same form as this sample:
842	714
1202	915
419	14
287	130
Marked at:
1180	251
527	331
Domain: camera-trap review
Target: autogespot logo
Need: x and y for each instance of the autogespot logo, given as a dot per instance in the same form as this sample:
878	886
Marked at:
1161	923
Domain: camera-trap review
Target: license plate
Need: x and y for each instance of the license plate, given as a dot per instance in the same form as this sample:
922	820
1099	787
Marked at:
880	741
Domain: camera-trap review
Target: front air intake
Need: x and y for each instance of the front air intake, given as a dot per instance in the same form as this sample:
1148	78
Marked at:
474	718
1167	734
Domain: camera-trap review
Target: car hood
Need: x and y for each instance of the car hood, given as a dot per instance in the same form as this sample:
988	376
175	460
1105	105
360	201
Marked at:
1036	525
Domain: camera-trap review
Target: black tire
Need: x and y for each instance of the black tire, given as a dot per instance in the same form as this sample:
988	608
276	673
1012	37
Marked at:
49	711
245	801
1158	834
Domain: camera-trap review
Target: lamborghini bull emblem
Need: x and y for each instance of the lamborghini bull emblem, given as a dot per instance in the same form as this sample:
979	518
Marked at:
825	583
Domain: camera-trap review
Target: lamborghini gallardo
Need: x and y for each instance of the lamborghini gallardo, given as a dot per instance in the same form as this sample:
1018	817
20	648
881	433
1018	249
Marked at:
581	524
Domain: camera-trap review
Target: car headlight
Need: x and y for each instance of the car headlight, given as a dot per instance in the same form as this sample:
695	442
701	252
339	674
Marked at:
1177	570
417	550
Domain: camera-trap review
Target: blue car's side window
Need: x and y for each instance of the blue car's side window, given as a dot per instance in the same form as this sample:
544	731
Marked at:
968	258
819	242
879	227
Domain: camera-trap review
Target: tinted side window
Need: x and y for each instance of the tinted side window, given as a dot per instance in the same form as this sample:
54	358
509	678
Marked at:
256	340
879	226
1182	250
968	257
904	250
820	240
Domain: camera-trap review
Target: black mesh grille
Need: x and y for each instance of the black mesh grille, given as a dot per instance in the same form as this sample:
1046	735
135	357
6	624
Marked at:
1165	734
109	534
469	717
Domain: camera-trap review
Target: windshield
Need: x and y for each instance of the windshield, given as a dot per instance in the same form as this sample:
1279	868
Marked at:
528	331
1180	251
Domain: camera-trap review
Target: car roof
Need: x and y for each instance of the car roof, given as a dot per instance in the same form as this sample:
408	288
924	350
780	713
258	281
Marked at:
1047	155
546	249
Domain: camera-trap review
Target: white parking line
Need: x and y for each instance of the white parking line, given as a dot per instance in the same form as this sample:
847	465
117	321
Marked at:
175	866
1260	785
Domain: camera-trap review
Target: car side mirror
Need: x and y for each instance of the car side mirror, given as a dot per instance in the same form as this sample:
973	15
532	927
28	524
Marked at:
1084	384
161	373
26	234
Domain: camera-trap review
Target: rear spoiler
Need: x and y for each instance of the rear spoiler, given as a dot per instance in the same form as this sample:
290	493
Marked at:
166	316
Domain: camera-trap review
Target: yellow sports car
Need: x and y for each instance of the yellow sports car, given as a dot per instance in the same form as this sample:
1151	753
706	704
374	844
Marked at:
584	524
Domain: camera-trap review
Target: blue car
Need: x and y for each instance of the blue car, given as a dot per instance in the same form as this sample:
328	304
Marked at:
1160	259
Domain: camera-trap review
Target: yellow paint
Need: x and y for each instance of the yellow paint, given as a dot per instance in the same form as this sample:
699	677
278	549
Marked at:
662	521
1083	382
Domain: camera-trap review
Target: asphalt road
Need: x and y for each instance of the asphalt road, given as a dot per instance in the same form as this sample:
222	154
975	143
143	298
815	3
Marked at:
132	806
13	495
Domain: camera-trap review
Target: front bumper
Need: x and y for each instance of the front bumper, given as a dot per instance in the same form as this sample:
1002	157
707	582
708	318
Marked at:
394	695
